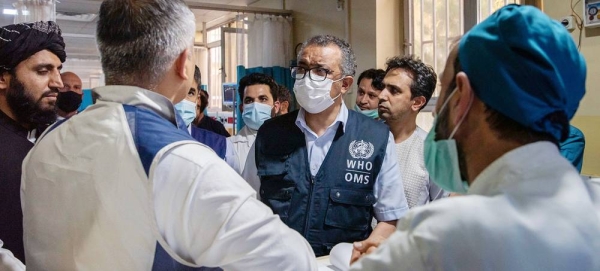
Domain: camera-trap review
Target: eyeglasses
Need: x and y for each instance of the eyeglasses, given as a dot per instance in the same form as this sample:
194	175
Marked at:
316	74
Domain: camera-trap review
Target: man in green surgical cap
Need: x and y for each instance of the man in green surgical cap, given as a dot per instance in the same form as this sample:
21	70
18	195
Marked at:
509	89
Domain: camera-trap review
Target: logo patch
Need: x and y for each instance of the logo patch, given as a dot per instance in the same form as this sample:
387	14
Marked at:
361	149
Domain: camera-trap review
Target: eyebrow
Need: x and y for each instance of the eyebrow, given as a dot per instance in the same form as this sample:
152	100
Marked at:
47	66
304	63
393	87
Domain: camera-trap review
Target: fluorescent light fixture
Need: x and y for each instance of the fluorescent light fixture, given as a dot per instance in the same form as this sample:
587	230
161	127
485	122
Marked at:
7	11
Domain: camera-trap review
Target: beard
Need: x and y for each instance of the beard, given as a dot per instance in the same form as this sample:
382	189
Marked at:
442	132
26	108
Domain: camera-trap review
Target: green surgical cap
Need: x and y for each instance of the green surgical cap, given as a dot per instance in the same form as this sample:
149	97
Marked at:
526	66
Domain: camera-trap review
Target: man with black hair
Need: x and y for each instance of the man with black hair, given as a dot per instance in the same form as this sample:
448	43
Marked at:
284	98
201	120
188	110
31	56
409	84
370	84
258	93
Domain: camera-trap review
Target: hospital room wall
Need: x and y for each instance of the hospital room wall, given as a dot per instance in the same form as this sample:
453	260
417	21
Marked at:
587	118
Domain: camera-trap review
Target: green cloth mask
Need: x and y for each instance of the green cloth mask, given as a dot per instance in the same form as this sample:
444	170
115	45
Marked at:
372	113
441	158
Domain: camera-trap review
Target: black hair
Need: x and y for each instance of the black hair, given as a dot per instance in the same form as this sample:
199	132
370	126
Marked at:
424	78
284	94
376	75
258	79
198	77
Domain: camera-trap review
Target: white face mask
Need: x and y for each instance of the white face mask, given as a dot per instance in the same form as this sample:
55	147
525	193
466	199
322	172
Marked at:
313	96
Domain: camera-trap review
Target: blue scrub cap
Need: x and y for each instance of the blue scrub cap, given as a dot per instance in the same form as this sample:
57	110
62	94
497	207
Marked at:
526	66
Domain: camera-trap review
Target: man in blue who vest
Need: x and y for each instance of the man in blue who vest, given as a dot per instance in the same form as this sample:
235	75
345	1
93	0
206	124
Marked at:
326	170
187	108
123	185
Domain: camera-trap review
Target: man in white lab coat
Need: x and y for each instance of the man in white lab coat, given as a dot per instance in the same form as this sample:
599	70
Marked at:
123	185
258	93
509	89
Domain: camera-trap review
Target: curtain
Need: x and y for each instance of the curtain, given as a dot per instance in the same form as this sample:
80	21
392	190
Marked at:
35	10
270	50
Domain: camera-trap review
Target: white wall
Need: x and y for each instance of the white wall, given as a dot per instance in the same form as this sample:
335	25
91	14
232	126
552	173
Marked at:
89	70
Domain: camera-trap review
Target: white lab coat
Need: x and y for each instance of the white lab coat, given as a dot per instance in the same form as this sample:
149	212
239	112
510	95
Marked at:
528	210
88	203
242	142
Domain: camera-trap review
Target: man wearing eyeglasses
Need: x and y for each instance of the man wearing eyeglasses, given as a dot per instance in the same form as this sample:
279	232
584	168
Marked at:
325	170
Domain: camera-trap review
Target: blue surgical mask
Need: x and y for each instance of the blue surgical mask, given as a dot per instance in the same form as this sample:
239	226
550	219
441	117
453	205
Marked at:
441	158
255	114
187	111
371	113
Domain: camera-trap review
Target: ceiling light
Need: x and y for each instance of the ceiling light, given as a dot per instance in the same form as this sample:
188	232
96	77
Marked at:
7	11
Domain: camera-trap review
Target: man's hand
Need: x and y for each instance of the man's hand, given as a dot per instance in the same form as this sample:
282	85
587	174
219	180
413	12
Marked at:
381	232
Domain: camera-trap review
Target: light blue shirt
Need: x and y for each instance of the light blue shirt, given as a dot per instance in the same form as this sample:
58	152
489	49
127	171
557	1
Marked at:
391	202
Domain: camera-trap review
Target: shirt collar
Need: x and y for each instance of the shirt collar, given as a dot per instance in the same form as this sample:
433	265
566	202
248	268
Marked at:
342	117
514	166
244	135
140	97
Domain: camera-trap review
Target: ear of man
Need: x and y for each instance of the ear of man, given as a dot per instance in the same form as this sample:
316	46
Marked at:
4	82
463	97
417	103
181	68
347	84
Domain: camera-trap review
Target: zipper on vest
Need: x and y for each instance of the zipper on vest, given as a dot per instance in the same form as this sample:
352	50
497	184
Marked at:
308	209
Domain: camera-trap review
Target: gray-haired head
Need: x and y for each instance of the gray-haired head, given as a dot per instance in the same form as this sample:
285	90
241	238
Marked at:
348	61
139	40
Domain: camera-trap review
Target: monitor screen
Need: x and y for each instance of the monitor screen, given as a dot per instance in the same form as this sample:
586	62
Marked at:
229	95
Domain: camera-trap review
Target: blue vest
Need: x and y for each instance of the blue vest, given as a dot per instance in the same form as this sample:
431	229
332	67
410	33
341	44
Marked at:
336	205
215	141
151	133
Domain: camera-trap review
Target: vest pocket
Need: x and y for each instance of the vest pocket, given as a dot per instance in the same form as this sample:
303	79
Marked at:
277	194
349	209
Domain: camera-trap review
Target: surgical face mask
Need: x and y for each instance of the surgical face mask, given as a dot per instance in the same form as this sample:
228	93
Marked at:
187	111
314	96
68	101
441	158
255	114
371	113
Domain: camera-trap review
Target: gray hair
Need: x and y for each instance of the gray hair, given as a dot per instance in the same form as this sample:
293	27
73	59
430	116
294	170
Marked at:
348	61
139	40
